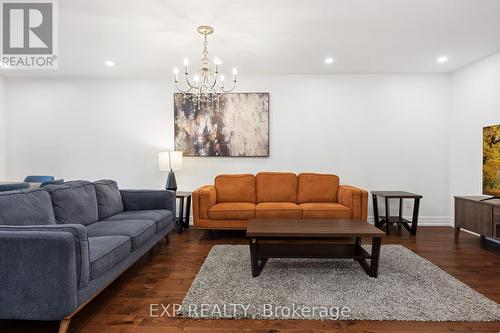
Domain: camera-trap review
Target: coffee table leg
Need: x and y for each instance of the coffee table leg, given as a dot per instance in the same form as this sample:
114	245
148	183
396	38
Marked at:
375	256
254	256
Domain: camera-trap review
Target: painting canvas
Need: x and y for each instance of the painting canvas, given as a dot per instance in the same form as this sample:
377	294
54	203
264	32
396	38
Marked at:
491	160
235	125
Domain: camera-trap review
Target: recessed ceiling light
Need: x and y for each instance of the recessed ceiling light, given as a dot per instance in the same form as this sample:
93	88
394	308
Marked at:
109	63
329	60
442	59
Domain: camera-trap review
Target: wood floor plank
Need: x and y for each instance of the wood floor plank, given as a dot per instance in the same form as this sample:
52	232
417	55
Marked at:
164	277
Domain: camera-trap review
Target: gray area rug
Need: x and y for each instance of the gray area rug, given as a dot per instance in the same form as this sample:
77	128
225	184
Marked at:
409	288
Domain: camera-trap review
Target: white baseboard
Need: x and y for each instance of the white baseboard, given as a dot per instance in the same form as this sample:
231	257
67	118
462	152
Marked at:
433	221
428	221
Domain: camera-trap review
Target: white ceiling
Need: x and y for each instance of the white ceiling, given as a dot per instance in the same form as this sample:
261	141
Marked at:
274	36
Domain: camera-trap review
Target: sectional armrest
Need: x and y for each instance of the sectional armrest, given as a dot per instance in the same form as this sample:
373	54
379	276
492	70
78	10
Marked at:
356	199
203	198
148	199
42	268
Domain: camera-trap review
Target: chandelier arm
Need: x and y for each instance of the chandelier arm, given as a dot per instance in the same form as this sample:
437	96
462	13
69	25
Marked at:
228	90
180	90
189	83
215	82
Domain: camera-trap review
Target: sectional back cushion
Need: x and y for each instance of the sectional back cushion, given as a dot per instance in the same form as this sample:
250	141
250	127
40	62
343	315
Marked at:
316	187
276	187
109	199
26	207
235	188
74	202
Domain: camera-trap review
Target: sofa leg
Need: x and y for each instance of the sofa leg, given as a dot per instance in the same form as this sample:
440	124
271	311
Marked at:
64	325
167	239
206	234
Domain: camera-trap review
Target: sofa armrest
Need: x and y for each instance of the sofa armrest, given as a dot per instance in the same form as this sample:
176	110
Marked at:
42	269
148	200
356	199
203	198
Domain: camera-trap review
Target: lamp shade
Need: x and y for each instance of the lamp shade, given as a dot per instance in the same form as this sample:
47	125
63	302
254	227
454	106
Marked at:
170	160
176	160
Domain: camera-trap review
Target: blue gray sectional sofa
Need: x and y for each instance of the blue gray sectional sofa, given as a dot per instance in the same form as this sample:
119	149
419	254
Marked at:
62	244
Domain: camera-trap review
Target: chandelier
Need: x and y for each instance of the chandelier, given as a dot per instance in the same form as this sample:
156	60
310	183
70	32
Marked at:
206	85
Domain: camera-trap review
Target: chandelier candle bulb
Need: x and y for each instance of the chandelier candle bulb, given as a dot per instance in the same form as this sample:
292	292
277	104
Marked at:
176	74
235	72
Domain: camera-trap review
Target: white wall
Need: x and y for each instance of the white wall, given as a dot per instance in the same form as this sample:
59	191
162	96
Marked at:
475	104
374	131
2	129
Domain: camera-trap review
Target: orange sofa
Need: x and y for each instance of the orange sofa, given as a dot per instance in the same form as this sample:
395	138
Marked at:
234	199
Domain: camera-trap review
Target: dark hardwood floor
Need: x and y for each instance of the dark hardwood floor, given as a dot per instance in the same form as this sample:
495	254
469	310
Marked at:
165	275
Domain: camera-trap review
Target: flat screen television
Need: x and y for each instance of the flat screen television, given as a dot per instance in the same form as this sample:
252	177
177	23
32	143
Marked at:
491	160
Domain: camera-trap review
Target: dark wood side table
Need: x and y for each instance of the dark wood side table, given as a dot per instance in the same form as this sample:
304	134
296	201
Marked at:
183	220
399	220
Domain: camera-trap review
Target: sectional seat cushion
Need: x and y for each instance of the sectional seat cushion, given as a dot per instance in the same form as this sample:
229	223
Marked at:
315	187
26	207
105	252
325	210
109	199
278	210
276	187
232	211
161	217
74	202
139	231
235	188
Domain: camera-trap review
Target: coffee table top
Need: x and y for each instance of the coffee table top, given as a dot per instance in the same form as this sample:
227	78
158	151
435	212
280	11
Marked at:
311	228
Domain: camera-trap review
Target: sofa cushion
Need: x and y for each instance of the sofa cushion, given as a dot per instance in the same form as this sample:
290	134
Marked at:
232	211
325	210
109	199
26	207
235	188
278	210
276	187
139	231
161	217
316	187
105	252
74	202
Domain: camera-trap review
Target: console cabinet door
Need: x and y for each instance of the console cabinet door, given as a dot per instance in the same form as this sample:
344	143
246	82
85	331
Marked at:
474	216
496	222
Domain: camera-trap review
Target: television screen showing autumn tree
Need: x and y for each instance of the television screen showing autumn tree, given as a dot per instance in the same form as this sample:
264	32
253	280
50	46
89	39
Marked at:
491	160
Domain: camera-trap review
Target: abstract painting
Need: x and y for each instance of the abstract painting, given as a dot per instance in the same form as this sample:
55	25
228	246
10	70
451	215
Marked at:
235	125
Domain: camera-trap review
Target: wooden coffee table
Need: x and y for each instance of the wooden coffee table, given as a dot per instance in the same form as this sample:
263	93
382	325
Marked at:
312	238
